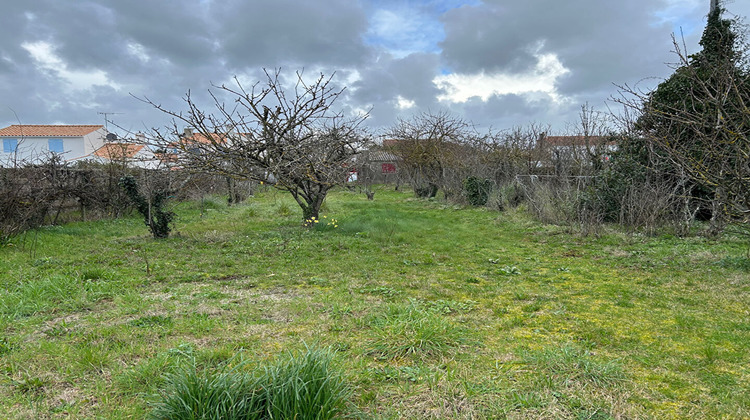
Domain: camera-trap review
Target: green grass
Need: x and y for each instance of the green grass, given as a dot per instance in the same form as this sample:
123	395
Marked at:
297	386
434	310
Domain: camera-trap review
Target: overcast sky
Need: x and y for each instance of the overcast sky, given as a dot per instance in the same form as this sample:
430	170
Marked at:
498	63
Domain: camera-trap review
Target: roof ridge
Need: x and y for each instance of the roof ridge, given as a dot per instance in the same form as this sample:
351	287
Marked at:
56	125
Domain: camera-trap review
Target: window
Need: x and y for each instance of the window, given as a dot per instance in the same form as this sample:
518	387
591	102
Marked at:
56	146
10	145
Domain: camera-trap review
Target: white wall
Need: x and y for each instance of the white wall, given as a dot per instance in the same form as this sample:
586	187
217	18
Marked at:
92	142
36	149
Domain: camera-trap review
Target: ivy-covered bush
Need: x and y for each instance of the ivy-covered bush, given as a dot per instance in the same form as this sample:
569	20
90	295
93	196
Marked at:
151	208
477	190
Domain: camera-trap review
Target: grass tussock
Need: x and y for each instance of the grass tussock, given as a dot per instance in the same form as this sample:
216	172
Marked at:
569	364
299	386
415	330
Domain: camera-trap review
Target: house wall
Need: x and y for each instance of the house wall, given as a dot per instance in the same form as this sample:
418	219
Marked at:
93	141
374	173
36	149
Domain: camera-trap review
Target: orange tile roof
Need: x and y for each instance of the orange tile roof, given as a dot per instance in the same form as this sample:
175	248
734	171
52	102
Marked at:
198	138
17	130
118	150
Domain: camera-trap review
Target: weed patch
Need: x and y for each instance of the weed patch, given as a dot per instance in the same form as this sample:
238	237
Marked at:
568	364
405	330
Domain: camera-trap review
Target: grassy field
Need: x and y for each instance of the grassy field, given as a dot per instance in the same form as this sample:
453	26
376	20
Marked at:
433	311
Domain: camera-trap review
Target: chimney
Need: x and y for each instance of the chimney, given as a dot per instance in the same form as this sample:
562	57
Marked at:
188	132
140	138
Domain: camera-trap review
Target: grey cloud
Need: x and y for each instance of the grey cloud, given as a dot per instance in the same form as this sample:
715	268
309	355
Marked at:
600	42
385	80
273	33
410	77
192	43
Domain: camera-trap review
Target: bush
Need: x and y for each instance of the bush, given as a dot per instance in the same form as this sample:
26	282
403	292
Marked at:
151	208
300	386
426	190
477	190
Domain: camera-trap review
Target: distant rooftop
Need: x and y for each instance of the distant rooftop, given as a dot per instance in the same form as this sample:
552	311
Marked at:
22	130
578	140
118	150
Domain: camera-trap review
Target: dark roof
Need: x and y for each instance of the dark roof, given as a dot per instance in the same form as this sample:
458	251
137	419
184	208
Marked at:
380	156
390	143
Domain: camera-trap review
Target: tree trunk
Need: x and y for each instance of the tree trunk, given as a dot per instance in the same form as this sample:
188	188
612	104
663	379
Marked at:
310	205
718	212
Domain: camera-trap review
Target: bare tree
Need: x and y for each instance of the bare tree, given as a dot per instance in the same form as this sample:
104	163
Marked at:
431	147
291	139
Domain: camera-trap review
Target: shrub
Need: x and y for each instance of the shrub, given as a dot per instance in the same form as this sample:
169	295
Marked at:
151	208
426	190
477	190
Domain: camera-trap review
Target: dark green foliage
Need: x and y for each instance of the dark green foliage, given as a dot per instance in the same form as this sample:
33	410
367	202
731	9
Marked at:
698	117
152	208
477	190
300	386
687	140
693	85
632	164
426	190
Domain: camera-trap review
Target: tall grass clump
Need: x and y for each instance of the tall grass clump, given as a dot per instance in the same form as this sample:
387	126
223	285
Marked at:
300	386
305	386
225	394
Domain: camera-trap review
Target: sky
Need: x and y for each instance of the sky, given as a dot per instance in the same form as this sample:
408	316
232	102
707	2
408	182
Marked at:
496	63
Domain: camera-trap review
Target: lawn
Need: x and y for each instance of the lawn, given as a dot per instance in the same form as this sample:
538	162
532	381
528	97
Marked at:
432	310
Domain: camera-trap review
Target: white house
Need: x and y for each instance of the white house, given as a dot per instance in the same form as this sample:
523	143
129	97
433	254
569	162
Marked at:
35	143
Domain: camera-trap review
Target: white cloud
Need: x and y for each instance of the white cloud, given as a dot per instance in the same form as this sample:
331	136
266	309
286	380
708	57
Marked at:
460	88
403	103
44	55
